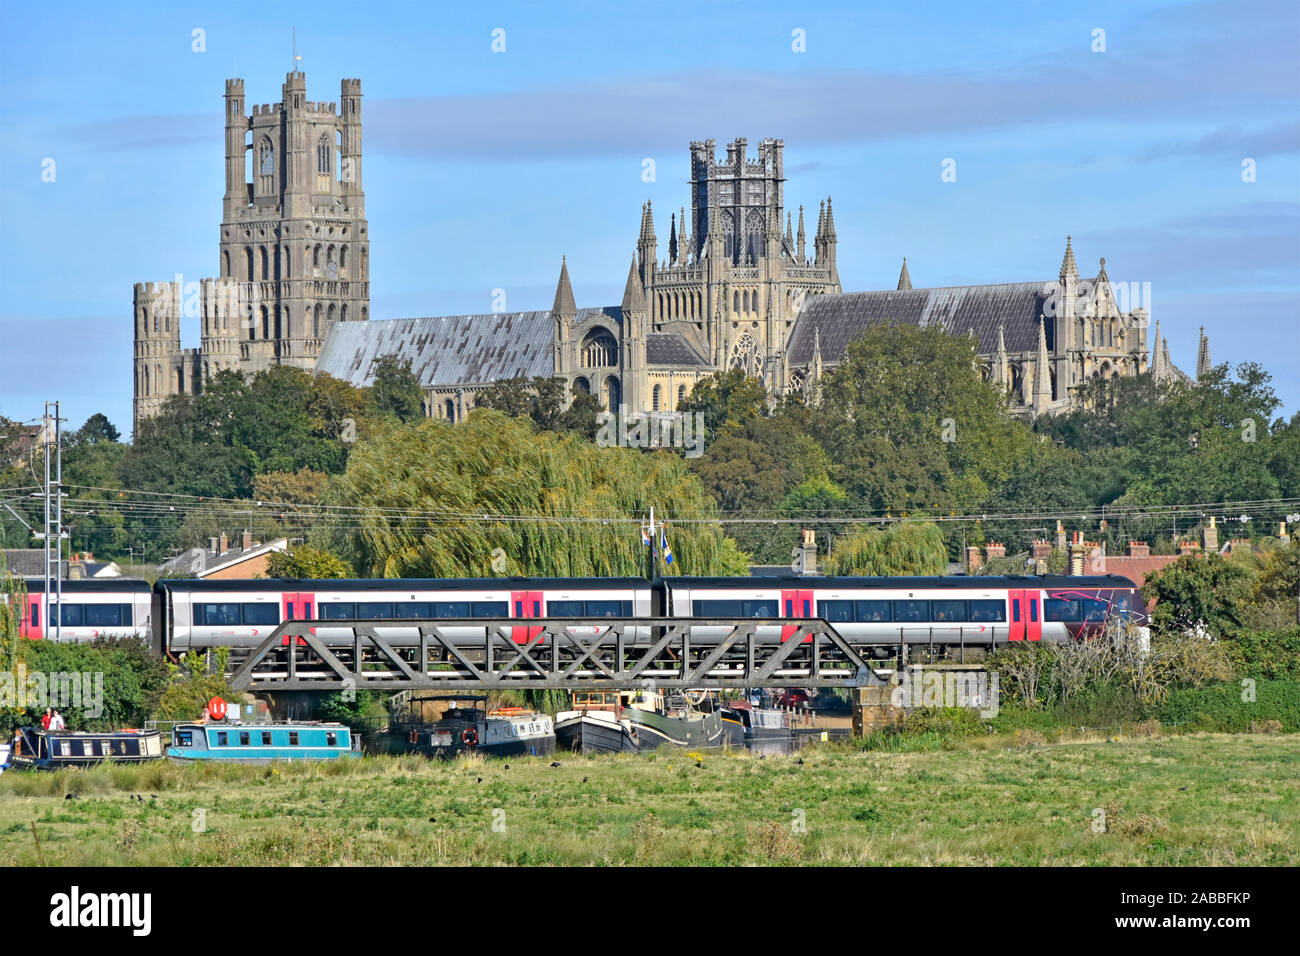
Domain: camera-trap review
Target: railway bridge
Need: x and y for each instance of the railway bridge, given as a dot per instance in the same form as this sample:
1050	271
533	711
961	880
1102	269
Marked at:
569	654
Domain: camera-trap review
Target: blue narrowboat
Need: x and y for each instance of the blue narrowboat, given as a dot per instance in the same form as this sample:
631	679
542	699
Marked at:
33	748
256	743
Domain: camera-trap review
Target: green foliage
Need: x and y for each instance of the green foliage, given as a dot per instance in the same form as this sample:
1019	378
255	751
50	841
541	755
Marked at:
543	401
351	709
908	548
1268	655
307	563
728	401
1227	708
394	389
441	478
1210	590
192	688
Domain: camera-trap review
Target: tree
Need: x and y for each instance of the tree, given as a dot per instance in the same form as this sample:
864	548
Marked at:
494	496
905	548
728	400
307	563
394	389
542	400
1209	590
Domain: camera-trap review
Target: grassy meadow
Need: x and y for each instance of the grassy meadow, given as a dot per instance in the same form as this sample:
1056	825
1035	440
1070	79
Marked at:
1182	800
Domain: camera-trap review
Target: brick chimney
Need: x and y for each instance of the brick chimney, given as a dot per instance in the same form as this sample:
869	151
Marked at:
995	550
1210	537
1139	549
1187	547
212	545
972	559
1077	548
248	540
1041	550
223	544
808	545
1060	535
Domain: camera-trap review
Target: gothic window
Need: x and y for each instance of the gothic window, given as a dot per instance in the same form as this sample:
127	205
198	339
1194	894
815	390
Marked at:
288	323
248	257
582	385
745	356
735	302
279	332
449	411
681	394
343	312
266	264
315	322
728	235
266	159
753	235
285	258
599	349
338	148
331	316
331	267
343	258
225	264
323	155
315	257
797	382
655	401
266	323
1017	383
613	393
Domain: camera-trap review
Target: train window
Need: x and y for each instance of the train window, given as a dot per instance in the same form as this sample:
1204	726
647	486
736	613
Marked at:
1015	610
375	610
337	611
989	611
766	607
724	608
605	609
490	609
106	615
36	615
266	738
1033	609
1094	610
451	609
948	611
1059	609
260	614
413	610
835	611
71	614
216	615
568	608
910	612
874	611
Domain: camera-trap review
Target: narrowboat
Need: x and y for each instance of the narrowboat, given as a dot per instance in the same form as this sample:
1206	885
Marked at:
259	743
468	725
595	725
38	749
766	729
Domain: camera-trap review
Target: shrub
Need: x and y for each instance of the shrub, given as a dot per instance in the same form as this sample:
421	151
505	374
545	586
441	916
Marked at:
1220	708
1271	655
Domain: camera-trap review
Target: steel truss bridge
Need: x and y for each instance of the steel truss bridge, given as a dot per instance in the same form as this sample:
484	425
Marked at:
564	654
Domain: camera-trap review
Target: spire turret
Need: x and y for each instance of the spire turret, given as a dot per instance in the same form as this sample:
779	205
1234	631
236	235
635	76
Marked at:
1042	374
564	301
633	291
1203	364
905	278
1068	266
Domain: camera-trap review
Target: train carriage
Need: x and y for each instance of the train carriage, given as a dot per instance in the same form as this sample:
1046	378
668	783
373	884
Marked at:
107	607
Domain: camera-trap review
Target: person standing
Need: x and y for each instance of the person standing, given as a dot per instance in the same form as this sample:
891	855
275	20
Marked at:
56	722
45	719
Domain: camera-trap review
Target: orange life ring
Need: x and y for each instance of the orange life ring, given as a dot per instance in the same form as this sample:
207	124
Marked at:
469	737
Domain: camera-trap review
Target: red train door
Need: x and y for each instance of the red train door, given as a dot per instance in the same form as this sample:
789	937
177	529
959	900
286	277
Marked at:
1017	615
300	606
1034	618
525	604
795	604
30	624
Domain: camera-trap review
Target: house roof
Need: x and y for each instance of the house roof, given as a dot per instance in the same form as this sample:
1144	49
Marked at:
29	562
202	562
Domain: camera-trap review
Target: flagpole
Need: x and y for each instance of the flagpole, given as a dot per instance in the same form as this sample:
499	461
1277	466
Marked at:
652	543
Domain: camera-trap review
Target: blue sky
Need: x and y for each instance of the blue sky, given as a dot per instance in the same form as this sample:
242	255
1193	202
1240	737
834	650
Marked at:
482	168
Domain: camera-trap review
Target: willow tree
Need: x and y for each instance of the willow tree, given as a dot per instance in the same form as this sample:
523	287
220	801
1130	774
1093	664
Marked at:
907	548
493	496
13	599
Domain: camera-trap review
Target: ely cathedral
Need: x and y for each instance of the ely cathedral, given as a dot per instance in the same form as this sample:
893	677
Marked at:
738	284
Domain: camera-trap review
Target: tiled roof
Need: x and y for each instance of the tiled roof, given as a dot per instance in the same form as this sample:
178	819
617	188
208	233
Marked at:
29	562
841	317
669	348
449	349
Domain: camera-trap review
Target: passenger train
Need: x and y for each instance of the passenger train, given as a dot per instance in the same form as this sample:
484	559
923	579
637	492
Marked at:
182	615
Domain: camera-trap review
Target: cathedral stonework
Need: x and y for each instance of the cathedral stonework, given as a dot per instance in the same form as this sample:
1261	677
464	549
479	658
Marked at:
740	287
294	251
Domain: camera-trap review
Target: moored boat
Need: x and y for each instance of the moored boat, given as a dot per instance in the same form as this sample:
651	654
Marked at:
260	743
595	725
658	721
505	732
38	749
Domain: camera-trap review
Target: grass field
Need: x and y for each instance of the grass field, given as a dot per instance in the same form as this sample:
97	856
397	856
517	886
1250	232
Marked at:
1204	799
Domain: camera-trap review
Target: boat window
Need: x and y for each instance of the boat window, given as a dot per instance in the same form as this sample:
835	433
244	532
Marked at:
186	739
490	609
331	738
375	610
948	611
988	611
243	738
293	738
874	611
910	612
223	739
834	611
71	615
266	738
337	611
